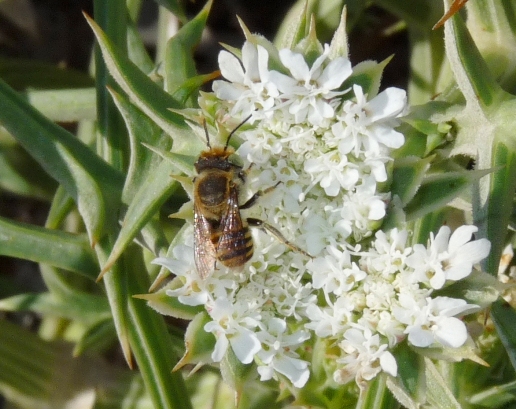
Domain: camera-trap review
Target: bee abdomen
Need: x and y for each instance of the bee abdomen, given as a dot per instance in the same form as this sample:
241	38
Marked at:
235	248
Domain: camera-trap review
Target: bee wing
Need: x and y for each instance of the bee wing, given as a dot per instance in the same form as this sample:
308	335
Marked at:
234	246
204	249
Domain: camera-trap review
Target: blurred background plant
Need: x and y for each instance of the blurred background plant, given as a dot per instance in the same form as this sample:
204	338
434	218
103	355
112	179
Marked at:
80	193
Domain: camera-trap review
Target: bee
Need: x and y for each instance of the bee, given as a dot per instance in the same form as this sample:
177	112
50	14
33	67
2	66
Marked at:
220	232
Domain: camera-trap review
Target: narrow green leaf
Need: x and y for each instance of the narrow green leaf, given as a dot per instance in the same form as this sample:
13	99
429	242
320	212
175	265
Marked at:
179	61
504	317
495	397
294	27
143	92
368	75
136	49
339	42
141	131
235	373
438	190
68	105
82	307
21	74
471	72
25	364
492	25
377	395
153	193
151	343
61	249
60	207
437	389
175	7
87	178
497	212
400	394
22	175
98	337
199	343
408	173
170	306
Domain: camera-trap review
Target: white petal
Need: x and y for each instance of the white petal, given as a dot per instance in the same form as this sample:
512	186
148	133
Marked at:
265	372
282	82
230	67
220	349
263	63
376	210
387	136
461	236
194	298
440	243
296	64
227	91
250	61
451	332
294	369
388	363
420	337
387	104
335	73
458	272
245	345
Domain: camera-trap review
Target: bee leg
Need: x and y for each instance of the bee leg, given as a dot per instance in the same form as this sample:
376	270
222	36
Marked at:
274	232
243	173
254	198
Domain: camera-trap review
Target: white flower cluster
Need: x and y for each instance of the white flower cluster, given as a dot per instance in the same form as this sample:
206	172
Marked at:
328	147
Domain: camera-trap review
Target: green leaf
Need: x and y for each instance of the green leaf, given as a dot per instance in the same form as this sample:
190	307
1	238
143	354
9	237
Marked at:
437	389
408	174
400	394
493	27
368	75
21	74
497	210
410	370
504	317
376	395
167	305
339	42
438	190
136	50
61	205
82	307
68	105
495	397
98	337
153	193
141	131
235	373
91	182
175	7
179	61
471	72
199	344
22	175
294	27
142	91
61	249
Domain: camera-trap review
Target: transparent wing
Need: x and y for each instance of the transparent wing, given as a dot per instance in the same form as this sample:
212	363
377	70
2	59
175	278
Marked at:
204	249
234	246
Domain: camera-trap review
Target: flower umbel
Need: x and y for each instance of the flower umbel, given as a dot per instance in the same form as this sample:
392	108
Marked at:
325	143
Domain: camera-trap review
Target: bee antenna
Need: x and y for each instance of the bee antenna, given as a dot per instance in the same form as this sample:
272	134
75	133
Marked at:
207	133
236	129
